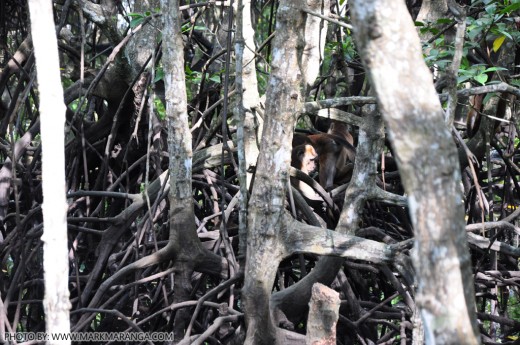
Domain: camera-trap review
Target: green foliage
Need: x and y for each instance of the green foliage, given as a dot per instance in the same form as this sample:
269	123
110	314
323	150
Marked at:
159	108
214	78
193	79
188	27
138	18
488	29
511	8
8	268
396	300
478	73
330	49
345	50
96	321
303	122
439	55
262	78
192	76
78	103
159	74
266	20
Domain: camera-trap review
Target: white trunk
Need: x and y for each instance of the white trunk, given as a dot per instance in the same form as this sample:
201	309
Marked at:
428	165
52	117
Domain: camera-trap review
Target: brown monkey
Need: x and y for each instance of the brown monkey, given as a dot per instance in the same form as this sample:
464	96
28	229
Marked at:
303	157
334	152
340	129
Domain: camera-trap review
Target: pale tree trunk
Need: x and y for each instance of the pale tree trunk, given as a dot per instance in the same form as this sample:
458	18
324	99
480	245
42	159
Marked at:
52	117
267	204
293	69
183	245
180	152
429	167
248	100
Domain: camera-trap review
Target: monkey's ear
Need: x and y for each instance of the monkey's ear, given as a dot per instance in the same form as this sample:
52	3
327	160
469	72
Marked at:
301	153
297	155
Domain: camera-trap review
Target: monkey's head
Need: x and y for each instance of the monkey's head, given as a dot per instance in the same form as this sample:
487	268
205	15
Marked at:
304	157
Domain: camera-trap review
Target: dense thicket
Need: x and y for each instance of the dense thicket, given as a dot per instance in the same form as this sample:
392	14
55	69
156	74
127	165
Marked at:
117	161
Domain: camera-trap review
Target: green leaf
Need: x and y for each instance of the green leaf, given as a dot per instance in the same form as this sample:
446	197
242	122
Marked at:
135	15
444	21
215	78
493	69
481	78
462	79
497	43
136	21
491	9
515	82
186	27
159	107
511	8
497	17
187	70
159	75
464	72
503	33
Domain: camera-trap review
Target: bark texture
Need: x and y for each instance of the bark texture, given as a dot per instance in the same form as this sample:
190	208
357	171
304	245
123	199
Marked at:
292	55
52	114
323	316
391	53
248	100
183	245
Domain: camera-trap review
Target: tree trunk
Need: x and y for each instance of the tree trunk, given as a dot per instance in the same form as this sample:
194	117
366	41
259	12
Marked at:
248	100
181	215
52	115
183	245
294	62
427	159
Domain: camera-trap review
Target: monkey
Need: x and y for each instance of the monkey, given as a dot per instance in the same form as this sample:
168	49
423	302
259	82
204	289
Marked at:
303	157
334	152
340	129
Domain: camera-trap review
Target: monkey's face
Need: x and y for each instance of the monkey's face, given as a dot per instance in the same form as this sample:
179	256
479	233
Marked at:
309	159
304	158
